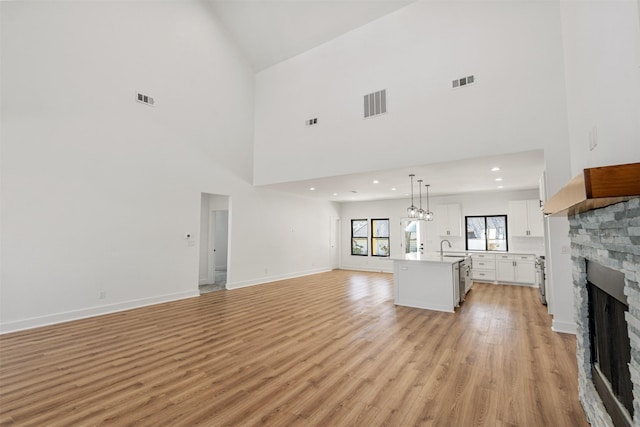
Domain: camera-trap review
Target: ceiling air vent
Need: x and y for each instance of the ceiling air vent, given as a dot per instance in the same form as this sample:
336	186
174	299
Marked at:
375	103
311	122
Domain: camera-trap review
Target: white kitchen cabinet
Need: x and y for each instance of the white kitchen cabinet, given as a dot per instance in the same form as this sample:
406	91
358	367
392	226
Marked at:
449	220
525	218
483	267
505	271
516	269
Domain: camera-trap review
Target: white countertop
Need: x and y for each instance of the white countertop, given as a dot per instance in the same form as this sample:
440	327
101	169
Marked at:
485	252
435	258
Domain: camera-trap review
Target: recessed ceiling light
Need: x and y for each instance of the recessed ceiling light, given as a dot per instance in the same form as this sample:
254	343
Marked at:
335	194
498	179
500	186
393	189
496	169
375	181
312	189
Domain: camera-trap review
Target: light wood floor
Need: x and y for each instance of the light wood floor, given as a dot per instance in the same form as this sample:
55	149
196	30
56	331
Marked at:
325	350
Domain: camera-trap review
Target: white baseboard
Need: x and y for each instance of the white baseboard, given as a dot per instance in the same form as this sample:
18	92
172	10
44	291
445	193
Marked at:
564	327
370	269
67	316
268	279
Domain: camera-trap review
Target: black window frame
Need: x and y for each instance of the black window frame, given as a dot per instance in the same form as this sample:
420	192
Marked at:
387	238
366	238
486	242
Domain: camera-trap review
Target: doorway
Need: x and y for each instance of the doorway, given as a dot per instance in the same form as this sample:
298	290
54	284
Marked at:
414	235
214	243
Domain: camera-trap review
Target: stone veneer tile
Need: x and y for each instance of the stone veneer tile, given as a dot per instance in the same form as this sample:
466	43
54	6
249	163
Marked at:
609	236
633	231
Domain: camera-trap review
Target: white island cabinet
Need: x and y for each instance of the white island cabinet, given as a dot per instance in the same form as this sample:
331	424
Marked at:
427	281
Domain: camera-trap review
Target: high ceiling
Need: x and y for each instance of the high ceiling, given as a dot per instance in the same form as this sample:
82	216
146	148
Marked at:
270	31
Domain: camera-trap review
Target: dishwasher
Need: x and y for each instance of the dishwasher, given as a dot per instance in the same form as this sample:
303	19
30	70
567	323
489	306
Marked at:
465	277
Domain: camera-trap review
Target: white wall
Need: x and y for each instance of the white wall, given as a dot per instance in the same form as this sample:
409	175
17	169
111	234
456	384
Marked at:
489	203
98	190
602	63
601	50
517	104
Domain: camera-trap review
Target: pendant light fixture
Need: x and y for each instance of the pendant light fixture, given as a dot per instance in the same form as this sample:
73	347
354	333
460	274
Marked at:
421	212
412	211
428	214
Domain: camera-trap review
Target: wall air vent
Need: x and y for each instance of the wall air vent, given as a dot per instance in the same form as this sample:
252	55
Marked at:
375	103
311	122
144	99
463	81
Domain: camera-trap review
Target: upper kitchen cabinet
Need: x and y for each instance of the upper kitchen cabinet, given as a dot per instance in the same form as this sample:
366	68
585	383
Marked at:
525	218
449	220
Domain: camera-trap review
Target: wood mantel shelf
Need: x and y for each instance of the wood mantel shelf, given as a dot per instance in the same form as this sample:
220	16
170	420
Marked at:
596	188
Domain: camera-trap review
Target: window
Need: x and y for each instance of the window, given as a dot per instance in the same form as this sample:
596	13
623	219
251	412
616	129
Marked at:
359	237
486	233
380	237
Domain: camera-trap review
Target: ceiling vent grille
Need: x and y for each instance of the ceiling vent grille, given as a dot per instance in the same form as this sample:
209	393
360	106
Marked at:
375	103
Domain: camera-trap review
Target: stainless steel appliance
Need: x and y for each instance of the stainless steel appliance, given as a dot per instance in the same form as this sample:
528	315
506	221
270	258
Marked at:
540	279
465	277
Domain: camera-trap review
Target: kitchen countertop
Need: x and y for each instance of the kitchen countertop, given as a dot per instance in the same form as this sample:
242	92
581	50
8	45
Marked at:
463	253
434	258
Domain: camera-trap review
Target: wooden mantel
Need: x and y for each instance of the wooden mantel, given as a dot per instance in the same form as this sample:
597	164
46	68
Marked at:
596	188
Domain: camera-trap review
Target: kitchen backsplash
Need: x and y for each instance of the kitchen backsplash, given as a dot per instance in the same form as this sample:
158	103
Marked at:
526	245
529	245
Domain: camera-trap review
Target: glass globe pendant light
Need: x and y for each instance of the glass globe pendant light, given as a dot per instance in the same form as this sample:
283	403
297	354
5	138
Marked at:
428	214
421	212
412	211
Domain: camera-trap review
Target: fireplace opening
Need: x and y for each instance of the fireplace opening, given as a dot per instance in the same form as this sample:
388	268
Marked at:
610	344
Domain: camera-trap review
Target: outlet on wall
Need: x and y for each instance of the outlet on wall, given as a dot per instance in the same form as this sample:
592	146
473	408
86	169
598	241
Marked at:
102	295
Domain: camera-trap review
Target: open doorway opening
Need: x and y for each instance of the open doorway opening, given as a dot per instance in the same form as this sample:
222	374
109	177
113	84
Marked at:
214	242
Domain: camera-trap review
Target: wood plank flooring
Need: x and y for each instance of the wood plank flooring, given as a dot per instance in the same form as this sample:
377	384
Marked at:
324	350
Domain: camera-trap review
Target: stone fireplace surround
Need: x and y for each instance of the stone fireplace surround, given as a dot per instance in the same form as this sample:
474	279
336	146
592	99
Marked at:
609	236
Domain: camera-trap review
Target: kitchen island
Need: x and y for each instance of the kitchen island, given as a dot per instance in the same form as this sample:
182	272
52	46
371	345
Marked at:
427	281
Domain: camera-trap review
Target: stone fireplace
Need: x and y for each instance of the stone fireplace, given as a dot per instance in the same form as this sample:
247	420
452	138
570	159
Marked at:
607	239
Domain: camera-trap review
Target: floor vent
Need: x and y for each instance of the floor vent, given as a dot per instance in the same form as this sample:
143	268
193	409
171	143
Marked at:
375	103
463	81
145	99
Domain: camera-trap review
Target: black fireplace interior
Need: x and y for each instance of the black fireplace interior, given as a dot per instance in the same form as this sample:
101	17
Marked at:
610	345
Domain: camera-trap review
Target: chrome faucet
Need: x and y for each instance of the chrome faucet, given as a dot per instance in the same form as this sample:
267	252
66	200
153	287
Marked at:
441	242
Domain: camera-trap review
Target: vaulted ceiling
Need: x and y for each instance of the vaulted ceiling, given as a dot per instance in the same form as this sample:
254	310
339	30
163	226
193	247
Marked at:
271	31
